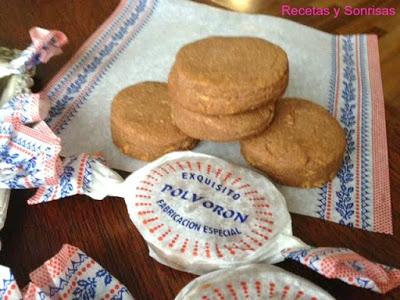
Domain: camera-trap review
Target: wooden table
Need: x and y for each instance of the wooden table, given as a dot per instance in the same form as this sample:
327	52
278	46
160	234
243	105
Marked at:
103	229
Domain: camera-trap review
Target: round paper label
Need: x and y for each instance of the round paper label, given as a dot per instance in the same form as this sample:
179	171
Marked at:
199	208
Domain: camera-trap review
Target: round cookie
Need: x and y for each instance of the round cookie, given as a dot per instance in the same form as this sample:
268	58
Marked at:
228	75
141	124
303	146
222	128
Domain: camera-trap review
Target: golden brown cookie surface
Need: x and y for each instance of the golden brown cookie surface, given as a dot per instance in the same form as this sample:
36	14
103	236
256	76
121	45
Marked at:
222	128
303	146
141	122
228	75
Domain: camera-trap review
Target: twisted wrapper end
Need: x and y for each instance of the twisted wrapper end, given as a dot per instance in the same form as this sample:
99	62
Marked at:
348	266
69	274
45	44
83	174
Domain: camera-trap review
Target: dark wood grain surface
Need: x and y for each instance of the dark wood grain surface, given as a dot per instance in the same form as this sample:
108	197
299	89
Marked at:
103	230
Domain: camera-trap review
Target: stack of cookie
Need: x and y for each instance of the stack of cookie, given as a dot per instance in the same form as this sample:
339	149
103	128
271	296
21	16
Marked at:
225	88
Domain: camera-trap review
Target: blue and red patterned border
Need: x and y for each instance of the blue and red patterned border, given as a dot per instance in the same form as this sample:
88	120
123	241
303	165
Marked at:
361	196
97	56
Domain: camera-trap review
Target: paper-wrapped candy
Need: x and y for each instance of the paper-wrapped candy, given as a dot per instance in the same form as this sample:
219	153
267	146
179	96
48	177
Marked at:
45	44
16	67
197	212
16	70
29	155
255	281
70	274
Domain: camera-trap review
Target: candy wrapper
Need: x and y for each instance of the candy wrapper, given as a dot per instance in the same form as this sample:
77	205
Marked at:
347	266
255	281
70	274
16	69
45	44
29	156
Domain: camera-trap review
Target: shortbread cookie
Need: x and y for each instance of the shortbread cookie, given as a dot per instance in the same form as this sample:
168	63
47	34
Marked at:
228	75
141	122
303	146
224	127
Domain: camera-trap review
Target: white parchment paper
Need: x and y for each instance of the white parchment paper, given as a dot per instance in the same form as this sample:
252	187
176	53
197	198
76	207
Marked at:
150	55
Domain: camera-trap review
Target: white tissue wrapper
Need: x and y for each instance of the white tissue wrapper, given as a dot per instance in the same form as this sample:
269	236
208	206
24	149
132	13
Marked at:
254	281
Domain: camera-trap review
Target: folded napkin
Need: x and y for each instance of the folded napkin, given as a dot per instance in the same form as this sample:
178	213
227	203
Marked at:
139	42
